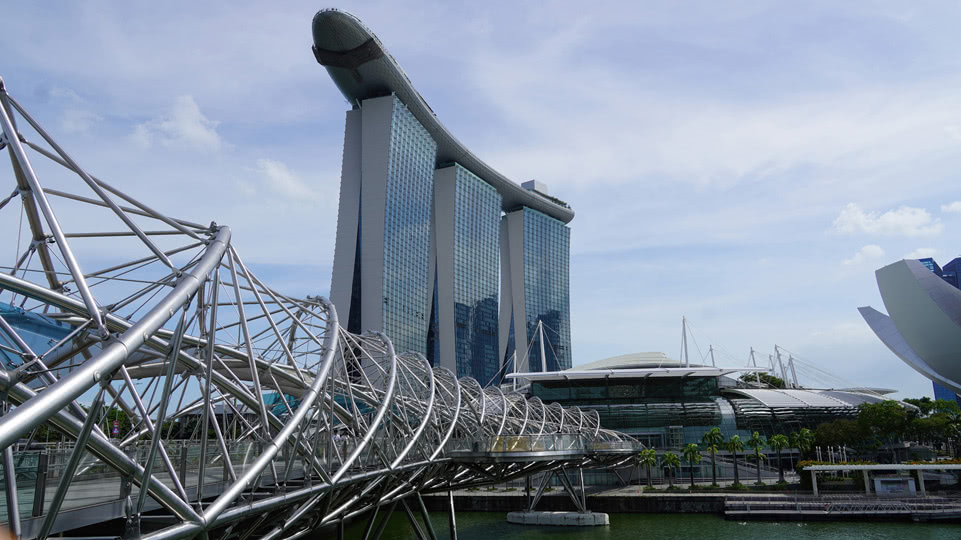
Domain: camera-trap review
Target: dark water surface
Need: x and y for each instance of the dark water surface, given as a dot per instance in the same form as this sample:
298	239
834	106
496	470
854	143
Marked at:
494	526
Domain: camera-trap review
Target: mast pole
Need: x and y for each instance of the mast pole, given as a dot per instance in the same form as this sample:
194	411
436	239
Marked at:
540	331
790	363
780	364
710	349
685	358
757	374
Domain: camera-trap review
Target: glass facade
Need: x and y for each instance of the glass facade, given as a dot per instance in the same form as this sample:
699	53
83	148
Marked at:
547	244
477	211
950	272
669	412
409	192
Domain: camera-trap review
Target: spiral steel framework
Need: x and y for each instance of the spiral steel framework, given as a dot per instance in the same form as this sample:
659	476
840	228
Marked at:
251	410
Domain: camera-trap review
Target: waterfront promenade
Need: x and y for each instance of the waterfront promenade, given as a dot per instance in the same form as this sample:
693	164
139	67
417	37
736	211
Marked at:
735	505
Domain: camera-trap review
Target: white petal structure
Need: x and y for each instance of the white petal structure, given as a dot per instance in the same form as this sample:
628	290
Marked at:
923	325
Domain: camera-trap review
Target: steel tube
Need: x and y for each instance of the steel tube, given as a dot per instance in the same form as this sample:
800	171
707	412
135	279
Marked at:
41	199
73	385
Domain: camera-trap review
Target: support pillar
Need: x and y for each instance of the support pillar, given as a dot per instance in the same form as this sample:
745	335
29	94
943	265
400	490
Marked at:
383	523
527	490
426	517
418	531
40	488
453	520
814	482
924	493
10	481
867	482
580	473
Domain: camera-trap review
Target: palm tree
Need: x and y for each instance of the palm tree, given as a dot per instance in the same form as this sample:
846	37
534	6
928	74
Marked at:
670	461
648	458
778	443
805	441
692	454
713	440
757	442
734	445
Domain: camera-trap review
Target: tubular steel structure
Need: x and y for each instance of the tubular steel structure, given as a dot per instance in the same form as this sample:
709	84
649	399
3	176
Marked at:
164	366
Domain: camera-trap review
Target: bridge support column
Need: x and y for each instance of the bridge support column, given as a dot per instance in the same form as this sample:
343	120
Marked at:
450	509
527	490
867	482
413	521
10	481
580	474
814	482
921	483
131	525
383	523
183	465
40	488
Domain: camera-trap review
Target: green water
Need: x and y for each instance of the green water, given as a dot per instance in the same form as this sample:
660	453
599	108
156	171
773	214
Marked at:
494	526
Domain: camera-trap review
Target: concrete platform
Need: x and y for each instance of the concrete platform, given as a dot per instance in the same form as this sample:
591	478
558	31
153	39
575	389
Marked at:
567	519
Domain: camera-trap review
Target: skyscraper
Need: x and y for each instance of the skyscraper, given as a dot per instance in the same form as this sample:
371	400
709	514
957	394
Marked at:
535	298
382	274
425	228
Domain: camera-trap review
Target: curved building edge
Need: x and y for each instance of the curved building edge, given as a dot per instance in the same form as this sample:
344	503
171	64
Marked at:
362	68
884	328
923	324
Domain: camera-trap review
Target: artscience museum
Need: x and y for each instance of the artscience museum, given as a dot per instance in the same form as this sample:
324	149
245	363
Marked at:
923	324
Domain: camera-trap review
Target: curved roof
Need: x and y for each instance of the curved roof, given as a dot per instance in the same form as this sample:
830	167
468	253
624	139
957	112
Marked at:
362	68
801	399
631	361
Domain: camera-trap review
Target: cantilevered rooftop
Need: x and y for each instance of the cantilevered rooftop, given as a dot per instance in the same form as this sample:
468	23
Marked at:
362	69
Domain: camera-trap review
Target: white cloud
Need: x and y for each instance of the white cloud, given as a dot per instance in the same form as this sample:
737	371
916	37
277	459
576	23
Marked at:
868	253
185	125
904	221
78	121
921	253
954	207
284	182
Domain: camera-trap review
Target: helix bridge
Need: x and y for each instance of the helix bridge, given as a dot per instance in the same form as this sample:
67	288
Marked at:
149	377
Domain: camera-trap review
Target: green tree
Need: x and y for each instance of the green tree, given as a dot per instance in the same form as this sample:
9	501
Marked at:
803	440
757	443
946	407
924	405
648	458
670	461
885	422
713	440
767	380
734	445
692	454
777	443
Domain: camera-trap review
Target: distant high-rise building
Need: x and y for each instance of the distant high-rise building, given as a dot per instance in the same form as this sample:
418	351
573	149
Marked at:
422	234
941	392
949	272
931	265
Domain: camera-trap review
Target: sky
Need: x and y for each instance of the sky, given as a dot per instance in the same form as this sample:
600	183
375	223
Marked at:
747	165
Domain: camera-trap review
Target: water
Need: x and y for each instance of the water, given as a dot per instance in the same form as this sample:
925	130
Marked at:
494	526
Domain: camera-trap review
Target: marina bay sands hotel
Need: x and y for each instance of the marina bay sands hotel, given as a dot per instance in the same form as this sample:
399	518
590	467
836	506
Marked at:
434	247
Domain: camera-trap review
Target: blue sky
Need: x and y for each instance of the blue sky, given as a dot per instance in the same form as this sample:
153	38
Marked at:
748	165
